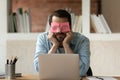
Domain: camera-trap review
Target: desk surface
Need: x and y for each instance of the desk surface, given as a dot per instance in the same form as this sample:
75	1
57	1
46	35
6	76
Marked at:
35	77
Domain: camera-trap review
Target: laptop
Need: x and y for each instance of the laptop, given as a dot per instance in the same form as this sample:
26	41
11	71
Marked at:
59	67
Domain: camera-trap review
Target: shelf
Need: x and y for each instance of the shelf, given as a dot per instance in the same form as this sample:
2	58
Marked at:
92	36
22	36
104	37
86	28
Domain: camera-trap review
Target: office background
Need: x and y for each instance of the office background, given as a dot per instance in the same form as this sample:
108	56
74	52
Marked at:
105	50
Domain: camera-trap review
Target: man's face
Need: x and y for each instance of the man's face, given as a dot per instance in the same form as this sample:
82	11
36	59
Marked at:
63	27
59	26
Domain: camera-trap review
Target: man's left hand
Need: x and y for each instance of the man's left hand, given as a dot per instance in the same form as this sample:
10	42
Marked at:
68	38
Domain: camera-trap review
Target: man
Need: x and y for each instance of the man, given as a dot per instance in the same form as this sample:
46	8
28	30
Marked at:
61	39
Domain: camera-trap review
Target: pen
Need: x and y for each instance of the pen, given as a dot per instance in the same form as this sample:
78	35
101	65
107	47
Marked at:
10	61
7	61
100	78
15	60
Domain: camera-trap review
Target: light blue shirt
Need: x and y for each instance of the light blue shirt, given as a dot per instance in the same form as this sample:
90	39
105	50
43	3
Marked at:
79	44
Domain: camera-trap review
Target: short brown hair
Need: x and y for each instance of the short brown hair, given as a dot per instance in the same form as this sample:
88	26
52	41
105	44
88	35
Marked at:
62	14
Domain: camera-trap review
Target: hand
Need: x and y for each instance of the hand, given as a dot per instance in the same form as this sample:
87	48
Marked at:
52	38
66	42
68	38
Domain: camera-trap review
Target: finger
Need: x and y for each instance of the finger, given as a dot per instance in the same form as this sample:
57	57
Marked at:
69	33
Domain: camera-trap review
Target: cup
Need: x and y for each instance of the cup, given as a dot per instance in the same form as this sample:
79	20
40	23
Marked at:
10	71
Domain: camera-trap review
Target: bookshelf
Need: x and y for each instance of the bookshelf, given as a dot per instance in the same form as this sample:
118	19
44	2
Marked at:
111	13
8	37
39	12
86	26
86	12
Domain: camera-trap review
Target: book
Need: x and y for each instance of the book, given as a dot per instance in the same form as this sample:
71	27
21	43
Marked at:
12	23
104	22
102	27
74	28
93	28
20	20
94	23
47	25
79	24
97	24
72	19
27	20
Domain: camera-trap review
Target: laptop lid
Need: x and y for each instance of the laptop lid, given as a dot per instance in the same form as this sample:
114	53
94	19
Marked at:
59	66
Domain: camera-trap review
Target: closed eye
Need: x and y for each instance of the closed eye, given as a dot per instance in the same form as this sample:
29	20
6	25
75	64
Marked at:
54	27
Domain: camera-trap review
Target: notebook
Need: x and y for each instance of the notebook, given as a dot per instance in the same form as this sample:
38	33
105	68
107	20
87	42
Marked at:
59	67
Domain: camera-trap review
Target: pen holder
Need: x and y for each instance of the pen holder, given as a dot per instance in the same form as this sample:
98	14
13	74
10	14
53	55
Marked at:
10	71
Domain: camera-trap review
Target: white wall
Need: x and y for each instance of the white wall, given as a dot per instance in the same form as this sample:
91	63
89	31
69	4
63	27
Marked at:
105	57
3	26
25	51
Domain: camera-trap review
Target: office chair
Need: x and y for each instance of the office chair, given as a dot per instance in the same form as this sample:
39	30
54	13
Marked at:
89	72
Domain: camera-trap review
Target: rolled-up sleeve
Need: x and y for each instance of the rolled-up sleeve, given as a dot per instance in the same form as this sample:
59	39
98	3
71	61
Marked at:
40	49
84	53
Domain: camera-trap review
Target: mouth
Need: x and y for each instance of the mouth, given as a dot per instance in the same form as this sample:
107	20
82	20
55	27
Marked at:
60	36
60	33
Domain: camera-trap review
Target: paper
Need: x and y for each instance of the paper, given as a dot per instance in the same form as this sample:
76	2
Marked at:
101	78
63	27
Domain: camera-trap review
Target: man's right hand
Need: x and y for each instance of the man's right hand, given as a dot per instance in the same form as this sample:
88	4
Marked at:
55	43
52	38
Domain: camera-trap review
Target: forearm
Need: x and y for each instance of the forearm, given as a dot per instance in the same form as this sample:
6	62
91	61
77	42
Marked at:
67	48
84	65
36	61
36	65
53	49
